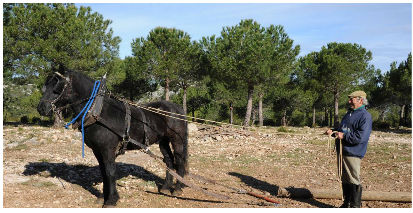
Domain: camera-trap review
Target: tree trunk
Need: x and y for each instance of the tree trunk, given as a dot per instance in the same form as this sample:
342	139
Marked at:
231	111
382	115
330	118
58	121
314	125
260	114
336	98
193	115
253	116
292	192
249	105
284	118
184	101
167	89
325	117
402	109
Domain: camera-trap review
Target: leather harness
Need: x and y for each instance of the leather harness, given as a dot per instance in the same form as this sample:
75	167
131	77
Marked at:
93	116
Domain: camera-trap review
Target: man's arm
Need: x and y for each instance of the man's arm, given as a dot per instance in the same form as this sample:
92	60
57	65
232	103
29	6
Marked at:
361	134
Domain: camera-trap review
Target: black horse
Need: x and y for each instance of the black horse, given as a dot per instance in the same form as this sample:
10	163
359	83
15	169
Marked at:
71	90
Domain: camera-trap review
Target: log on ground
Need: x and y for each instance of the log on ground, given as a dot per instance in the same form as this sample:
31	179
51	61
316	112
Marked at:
292	192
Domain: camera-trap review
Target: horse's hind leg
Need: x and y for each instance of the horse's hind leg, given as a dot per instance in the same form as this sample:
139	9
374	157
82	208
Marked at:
168	159
180	165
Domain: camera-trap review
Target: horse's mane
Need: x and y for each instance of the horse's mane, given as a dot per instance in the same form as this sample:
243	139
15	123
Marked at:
80	74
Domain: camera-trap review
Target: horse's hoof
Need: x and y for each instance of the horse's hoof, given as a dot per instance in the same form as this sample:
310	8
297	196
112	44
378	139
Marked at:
108	206
177	192
100	200
165	190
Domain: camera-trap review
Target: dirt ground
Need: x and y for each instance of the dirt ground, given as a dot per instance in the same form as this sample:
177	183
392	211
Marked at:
43	167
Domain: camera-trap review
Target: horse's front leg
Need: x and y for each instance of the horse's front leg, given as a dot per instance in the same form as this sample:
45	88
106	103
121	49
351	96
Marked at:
107	167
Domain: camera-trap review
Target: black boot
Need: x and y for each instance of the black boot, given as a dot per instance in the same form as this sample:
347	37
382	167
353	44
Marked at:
346	195
355	201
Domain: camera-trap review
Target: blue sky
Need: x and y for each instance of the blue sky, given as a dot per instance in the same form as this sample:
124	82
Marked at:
383	28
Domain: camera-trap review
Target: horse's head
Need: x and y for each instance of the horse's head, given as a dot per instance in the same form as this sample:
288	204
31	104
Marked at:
55	93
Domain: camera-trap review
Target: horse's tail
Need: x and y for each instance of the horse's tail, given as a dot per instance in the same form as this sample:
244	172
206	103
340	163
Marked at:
183	134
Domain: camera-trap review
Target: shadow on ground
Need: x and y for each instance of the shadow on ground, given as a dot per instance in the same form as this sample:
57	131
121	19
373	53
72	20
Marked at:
87	176
273	189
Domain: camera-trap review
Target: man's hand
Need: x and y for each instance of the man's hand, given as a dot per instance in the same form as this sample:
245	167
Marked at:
340	135
328	132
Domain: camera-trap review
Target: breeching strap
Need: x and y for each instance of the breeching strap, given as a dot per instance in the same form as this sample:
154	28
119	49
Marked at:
84	111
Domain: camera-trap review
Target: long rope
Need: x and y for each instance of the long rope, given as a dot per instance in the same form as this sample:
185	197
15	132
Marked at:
340	162
84	111
187	116
339	159
340	165
181	116
329	145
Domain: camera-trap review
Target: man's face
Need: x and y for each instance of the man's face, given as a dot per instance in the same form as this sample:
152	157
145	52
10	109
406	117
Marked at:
355	102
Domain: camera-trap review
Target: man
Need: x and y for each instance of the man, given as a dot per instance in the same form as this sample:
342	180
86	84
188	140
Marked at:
354	132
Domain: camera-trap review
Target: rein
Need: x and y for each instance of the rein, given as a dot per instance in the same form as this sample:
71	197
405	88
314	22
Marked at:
84	111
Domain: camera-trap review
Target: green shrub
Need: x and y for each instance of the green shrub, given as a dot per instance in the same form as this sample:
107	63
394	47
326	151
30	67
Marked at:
283	129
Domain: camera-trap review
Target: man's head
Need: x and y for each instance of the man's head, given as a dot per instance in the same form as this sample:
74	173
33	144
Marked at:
357	99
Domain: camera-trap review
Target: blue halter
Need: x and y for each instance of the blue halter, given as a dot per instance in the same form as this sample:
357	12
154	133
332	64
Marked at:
84	112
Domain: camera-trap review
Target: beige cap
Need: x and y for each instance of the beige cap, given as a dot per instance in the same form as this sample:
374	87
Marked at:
358	93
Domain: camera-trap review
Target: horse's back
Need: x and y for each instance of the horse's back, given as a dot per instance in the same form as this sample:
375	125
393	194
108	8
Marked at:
166	106
175	124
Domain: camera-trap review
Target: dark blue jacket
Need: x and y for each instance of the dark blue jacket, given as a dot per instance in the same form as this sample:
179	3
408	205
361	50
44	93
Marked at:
356	126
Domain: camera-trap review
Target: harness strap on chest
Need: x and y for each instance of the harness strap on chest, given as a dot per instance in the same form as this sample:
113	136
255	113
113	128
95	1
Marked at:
125	136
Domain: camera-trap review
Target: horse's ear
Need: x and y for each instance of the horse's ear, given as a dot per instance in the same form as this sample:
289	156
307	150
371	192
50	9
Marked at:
62	76
59	74
61	68
61	71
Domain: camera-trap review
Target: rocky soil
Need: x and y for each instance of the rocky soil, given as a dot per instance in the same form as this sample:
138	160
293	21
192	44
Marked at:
43	167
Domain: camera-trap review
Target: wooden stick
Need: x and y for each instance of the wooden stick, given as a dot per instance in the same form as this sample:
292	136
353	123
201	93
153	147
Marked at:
263	197
240	191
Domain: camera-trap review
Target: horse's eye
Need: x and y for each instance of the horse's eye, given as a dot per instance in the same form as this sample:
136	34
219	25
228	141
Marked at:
58	88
